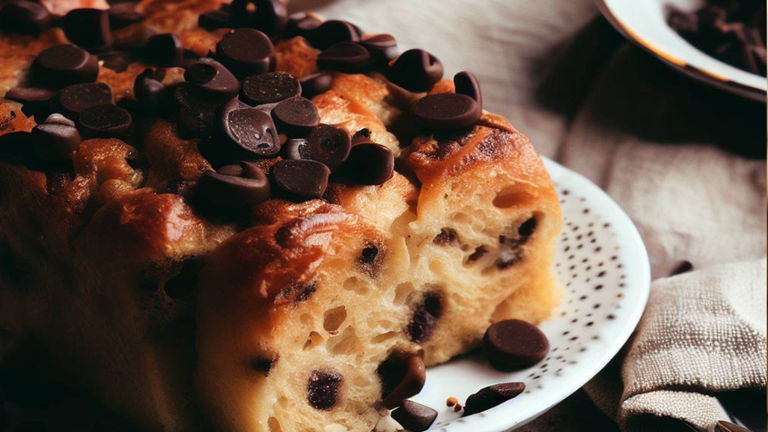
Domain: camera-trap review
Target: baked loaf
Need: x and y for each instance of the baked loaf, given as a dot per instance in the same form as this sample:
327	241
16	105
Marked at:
189	292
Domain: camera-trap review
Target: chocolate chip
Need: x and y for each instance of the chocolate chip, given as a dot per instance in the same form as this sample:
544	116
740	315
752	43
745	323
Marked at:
56	139
296	292
415	70
467	84
270	87
425	317
150	92
369	164
371	259
36	101
77	98
323	389
724	426
118	61
315	84
329	145
251	129
233	186
300	23
332	32
164	50
478	253
88	28
62	65
185	282
347	57
447	111
295	116
383	48
414	416
269	16
527	228
123	14
215	19
262	365
510	251
302	179
402	375
446	236
105	121
294	149
492	396
514	344
245	52
24	17
212	79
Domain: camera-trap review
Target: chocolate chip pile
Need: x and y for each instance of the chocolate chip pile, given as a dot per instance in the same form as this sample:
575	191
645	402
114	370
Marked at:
256	126
730	30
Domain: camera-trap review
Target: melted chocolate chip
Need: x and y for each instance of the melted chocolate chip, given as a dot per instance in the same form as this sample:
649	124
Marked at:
270	87
185	282
295	116
269	16
347	57
383	48
425	317
24	17
514	344
62	65
123	14
329	145
467	84
315	84
105	121
323	389
369	164
77	98
492	396
446	236
447	111
252	130
197	112
56	139
88	28
294	149
414	416
332	32
233	186
301	179
415	70
402	376
164	50
211	79
245	52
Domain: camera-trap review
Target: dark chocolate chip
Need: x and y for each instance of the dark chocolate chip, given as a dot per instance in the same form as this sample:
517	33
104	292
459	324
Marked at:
415	70
402	375
123	14
315	84
329	145
56	139
197	112
262	365
383	48
514	344
270	87
269	16
106	121
369	164
118	61
251	129
467	84
414	416
62	65
88	28
332	32
150	92
164	50
300	23
303	179
425	317
185	282
347	57
24	17
212	79
478	253
296	292
245	52
446	236
36	101
233	186
447	111
323	389
295	116
77	98
492	396
724	426
510	249
215	19
294	149
684	267
527	228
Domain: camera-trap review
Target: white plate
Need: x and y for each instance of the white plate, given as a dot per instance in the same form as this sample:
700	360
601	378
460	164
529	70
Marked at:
602	263
645	23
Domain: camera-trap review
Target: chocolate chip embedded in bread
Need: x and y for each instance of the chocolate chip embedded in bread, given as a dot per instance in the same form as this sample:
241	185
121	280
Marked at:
164	50
88	28
511	244
105	121
323	389
467	84
56	139
296	116
369	164
492	396
77	98
514	344
245	52
62	65
415	70
269	16
527	228
233	186
123	14
270	87
329	145
371	258
382	47
446	236
414	416
212	79
349	57
36	101
302	179
425	317
402	375
296	292
332	32
262	364
447	111
24	17
315	84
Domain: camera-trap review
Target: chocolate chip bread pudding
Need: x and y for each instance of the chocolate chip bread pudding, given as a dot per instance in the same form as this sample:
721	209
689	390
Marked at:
221	217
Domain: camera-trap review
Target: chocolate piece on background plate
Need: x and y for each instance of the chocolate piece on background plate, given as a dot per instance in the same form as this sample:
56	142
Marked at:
245	52
164	50
369	164
302	179
123	14
88	28
414	416
233	186
56	139
270	87
294	149
329	145
514	344
315	84
27	17
492	396
105	121
76	98
347	57
250	129
269	16
447	111
383	48
402	375
296	116
332	32
62	65
467	84
415	70
212	79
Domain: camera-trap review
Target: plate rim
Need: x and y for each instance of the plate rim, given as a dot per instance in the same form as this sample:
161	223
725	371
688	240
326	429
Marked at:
697	72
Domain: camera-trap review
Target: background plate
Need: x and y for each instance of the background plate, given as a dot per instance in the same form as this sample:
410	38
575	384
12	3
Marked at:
602	263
